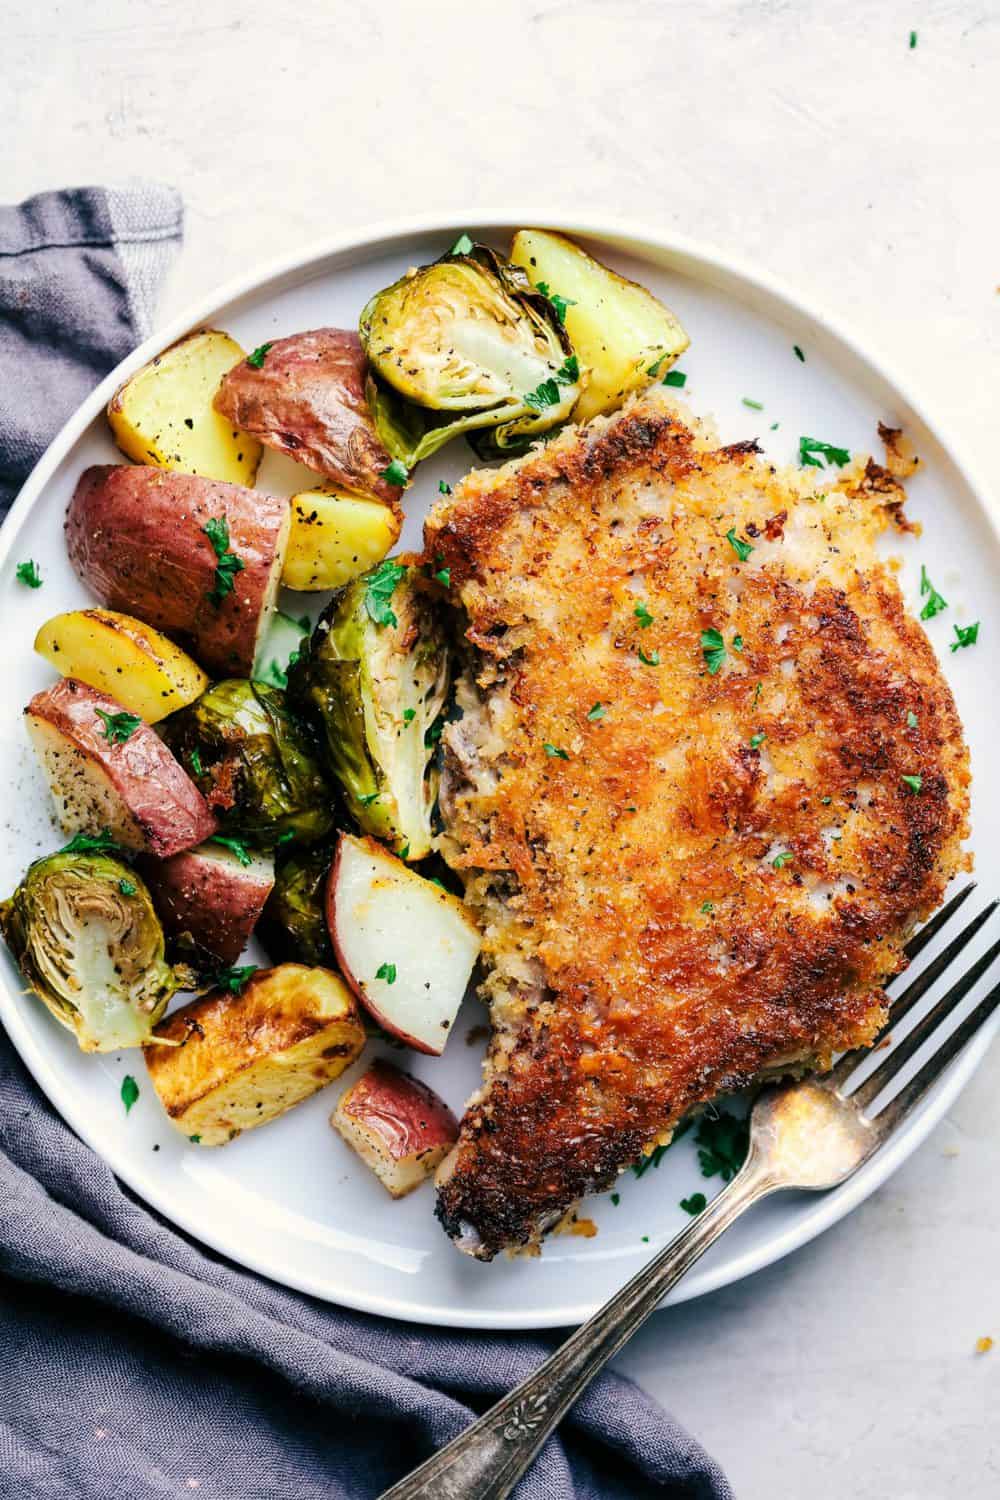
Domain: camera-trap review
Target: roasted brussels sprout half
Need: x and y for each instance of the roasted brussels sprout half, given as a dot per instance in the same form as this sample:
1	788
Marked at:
254	763
375	675
86	938
292	926
466	344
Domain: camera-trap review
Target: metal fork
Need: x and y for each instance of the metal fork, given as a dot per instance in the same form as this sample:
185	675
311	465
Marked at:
809	1135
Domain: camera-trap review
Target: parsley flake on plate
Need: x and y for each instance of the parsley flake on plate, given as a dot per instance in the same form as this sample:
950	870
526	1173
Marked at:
713	649
257	358
28	574
386	972
127	888
753	405
756	740
597	712
642	614
741	547
798	353
547	393
784	858
935	603
652	660
676	378
553	751
234	978
462	246
723	1141
914	783
444	488
129	1091
694	1205
965	635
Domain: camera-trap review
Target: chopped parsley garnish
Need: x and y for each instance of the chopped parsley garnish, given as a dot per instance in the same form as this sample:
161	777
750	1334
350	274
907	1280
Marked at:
235	846
597	712
826	801
462	246
386	972
723	1143
813	453
935	602
742	548
118	727
965	635
756	740
798	353
227	563
274	674
913	40
911	720
369	798
738	643
652	660
553	751
285	837
775	426
381	585
642	615
233	979
714	650
694	1205
91	843
616	1198
753	405
443	576
257	358
559	303
913	782
195	1139
194	760
395	473
27	573
657	365
409	714
126	887
129	1091
706	908
675	377
432	735
444	488
547	393
784	858
404	853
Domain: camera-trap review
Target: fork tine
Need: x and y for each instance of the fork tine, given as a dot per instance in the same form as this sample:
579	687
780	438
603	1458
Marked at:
911	1094
917	989
918	942
912	1043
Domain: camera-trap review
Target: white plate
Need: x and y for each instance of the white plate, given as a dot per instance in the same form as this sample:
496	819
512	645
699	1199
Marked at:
290	1200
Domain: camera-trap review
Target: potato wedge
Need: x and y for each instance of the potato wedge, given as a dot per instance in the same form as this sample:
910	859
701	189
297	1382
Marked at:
397	1125
240	1060
140	539
119	655
164	415
133	787
208	900
306	398
618	328
334	537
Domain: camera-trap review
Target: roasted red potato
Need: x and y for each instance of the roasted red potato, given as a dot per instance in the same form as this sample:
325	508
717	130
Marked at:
108	770
306	398
233	1062
397	1125
197	558
208	899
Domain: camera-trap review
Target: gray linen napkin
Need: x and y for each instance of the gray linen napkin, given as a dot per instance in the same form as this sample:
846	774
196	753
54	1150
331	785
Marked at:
132	1361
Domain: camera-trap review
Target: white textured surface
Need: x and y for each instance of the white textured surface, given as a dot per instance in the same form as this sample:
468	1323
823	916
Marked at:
805	136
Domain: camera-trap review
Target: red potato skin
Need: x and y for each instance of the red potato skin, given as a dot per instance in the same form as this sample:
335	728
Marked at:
206	901
401	1118
169	809
135	537
308	401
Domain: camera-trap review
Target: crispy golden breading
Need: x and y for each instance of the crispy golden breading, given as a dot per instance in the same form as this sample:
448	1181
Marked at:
621	813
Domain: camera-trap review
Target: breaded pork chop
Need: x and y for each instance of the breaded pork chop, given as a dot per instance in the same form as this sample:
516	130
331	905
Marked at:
707	777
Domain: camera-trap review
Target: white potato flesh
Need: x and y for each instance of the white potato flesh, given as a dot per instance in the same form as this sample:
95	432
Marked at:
406	947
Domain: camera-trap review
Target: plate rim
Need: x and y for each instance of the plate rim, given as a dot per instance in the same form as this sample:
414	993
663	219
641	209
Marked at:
367	240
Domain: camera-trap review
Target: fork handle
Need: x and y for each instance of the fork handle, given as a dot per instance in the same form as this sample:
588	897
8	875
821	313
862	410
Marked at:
486	1460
